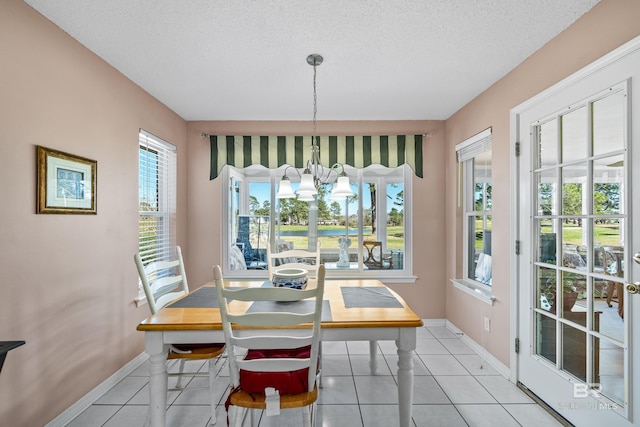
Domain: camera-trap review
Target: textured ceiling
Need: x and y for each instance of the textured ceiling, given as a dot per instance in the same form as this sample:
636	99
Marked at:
246	59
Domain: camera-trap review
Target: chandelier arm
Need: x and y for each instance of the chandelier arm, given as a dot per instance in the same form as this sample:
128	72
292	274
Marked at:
342	170
284	175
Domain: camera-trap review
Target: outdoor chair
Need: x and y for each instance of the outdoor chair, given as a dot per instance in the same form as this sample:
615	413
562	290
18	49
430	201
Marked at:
288	257
373	256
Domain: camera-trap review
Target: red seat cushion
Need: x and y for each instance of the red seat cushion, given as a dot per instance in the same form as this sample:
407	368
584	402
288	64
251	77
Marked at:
292	382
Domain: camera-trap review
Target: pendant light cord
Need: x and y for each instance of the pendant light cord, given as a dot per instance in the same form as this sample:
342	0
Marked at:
315	102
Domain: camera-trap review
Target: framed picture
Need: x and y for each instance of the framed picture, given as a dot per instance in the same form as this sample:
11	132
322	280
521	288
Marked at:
66	183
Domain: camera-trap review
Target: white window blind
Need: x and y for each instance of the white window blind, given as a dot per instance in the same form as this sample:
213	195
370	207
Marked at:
474	146
157	198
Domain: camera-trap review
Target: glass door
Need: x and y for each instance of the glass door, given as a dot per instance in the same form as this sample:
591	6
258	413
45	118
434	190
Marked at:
575	198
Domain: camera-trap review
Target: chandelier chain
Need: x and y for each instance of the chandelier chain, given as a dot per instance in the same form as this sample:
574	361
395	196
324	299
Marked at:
315	102
314	173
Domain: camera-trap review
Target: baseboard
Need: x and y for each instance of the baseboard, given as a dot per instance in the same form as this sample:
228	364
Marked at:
434	322
87	400
498	365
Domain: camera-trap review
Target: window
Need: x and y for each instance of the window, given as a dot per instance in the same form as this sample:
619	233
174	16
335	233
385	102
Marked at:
474	159
379	211
156	198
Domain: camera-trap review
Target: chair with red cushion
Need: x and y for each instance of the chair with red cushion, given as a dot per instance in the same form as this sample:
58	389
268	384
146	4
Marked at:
164	281
273	345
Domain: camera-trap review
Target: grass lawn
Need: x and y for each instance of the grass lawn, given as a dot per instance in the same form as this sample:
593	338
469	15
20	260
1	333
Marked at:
395	237
606	234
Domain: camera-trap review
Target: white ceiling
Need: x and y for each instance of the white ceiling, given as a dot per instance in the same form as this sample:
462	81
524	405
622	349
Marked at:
246	59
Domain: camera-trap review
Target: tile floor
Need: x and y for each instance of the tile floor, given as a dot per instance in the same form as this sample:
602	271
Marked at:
453	387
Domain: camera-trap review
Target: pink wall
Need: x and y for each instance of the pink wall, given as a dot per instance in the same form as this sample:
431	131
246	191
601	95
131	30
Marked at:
426	295
608	25
68	281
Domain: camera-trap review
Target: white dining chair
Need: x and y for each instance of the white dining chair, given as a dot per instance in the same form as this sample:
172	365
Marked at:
272	350
164	282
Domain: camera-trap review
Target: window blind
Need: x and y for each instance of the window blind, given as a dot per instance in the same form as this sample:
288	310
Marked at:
157	198
473	146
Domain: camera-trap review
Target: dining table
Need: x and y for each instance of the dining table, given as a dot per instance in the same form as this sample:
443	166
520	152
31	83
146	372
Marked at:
353	310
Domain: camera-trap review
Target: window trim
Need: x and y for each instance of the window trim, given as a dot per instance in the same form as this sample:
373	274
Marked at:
386	276
466	152
166	188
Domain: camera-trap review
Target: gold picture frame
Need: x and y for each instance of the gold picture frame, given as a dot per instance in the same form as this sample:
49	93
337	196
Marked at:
66	183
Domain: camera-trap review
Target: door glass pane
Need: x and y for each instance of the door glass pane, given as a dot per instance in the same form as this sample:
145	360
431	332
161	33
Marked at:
607	185
574	285
609	369
574	347
574	253
608	123
547	242
574	135
547	189
573	190
546	289
546	337
607	311
548	145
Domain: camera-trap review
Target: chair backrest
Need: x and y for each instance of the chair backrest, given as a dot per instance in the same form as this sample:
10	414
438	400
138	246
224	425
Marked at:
275	328
163	281
372	252
293	258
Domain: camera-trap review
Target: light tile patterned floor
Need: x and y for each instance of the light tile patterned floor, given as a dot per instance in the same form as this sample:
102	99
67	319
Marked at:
453	387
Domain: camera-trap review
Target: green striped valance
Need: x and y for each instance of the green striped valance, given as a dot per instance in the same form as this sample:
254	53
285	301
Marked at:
275	151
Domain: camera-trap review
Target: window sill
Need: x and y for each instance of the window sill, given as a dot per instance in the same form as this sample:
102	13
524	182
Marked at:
387	277
140	300
474	290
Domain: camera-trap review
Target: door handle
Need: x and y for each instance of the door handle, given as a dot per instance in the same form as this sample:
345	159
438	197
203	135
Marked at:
633	288
636	257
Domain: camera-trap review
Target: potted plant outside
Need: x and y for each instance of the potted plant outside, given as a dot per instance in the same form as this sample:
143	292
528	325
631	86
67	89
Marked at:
548	292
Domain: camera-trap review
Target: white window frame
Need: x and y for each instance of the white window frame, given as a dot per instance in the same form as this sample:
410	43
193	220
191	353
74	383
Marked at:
160	178
405	275
466	152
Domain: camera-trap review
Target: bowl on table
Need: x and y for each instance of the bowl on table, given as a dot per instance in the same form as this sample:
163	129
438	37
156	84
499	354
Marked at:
294	278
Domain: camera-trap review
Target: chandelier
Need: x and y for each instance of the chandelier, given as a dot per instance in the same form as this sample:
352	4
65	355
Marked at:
315	174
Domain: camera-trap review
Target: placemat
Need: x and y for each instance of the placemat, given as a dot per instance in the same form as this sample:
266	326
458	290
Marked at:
205	297
304	306
368	297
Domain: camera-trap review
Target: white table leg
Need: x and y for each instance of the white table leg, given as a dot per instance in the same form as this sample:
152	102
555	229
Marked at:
320	364
157	377
406	345
373	359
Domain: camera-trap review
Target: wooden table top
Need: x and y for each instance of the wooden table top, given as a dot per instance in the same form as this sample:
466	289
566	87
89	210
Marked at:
180	319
